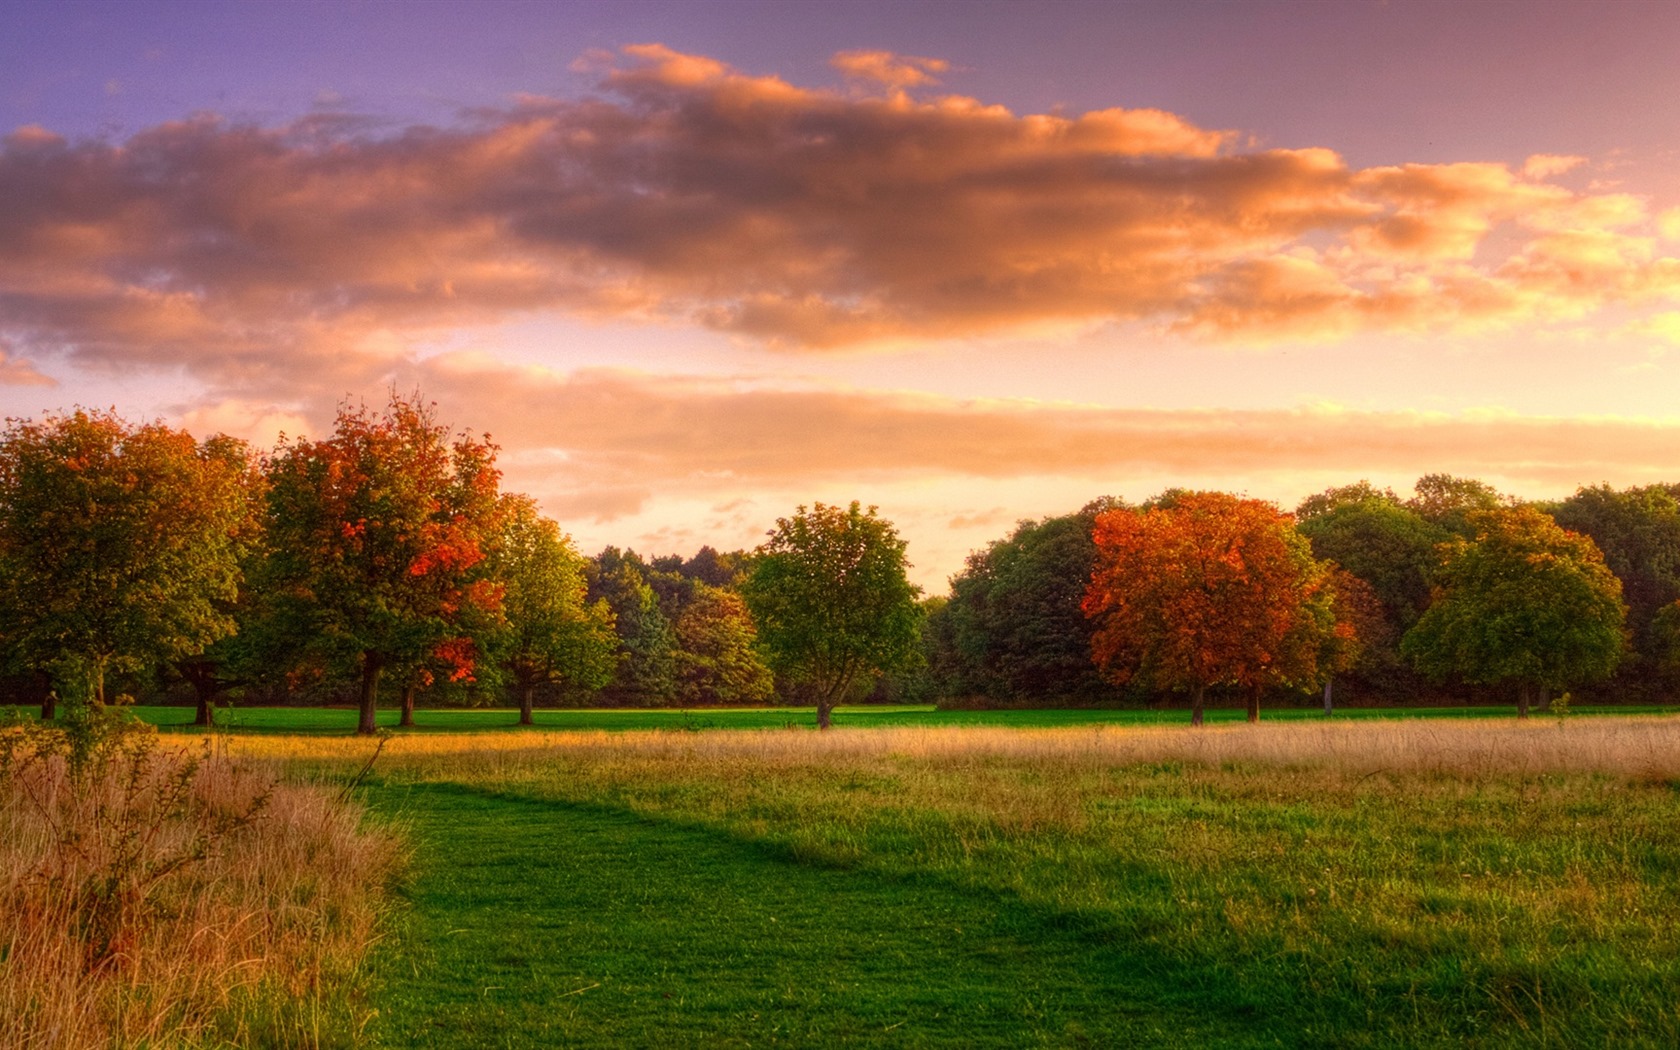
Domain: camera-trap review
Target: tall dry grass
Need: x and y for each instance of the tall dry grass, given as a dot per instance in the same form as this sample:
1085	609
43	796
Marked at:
1635	747
159	896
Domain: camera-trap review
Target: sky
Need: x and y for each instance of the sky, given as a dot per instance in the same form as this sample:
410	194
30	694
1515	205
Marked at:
692	265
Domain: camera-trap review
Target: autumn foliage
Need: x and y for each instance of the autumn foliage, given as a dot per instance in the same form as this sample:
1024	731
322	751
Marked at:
379	535
1209	589
119	545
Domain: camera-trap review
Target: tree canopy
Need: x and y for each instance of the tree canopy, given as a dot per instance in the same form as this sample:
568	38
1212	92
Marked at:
1525	602
378	535
119	543
1210	589
552	633
1016	627
832	601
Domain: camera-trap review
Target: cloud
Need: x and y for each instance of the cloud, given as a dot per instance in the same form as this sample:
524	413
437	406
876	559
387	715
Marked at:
893	71
613	438
1545	165
269	260
17	372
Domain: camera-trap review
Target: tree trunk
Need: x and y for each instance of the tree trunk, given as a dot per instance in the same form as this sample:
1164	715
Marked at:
1328	707
98	690
205	716
825	708
526	694
367	725
1522	700
1545	703
1253	704
49	706
1196	704
408	691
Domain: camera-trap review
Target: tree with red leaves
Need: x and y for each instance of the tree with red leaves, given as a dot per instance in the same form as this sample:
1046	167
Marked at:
1208	589
377	537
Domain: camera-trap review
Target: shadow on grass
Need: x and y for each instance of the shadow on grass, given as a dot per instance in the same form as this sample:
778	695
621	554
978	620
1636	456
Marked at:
538	922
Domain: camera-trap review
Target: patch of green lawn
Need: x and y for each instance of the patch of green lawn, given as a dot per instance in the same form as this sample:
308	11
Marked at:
652	895
540	922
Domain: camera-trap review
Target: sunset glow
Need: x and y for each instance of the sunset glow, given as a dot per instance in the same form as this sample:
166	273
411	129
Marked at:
693	264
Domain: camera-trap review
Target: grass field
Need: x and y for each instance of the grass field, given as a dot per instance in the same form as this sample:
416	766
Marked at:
1344	883
333	720
1059	879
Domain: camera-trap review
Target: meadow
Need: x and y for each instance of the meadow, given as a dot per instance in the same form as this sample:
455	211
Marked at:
1341	882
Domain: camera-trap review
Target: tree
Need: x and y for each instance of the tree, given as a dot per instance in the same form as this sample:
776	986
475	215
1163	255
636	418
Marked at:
1389	546
1525	603
377	537
832	602
1016	625
553	634
119	545
718	659
1392	549
1448	501
1638	530
1209	590
1360	492
646	675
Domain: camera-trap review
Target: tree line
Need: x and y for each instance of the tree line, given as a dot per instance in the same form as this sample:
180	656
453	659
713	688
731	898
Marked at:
384	561
1458	590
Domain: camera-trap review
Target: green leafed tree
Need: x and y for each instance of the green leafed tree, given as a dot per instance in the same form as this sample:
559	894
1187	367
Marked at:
553	634
1392	549
832	601
119	545
718	656
646	675
1638	529
1448	501
377	535
1014	620
1524	603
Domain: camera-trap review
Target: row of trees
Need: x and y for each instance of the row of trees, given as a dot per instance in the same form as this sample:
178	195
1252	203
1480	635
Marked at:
1394	598
386	555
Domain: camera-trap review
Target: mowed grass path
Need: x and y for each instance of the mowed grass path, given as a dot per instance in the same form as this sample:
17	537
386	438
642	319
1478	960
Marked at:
544	923
333	720
1355	884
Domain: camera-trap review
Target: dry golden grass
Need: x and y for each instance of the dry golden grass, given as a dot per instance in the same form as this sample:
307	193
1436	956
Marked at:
167	898
1636	747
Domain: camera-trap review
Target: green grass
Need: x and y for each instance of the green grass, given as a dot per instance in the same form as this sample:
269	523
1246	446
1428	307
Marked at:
656	893
544	922
332	720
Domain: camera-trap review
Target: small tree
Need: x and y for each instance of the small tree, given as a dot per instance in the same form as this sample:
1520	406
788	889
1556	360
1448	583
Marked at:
1524	603
377	538
718	659
1208	589
832	601
553	633
119	545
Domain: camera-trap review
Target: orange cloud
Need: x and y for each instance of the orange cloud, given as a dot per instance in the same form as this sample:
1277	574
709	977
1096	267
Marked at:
884	67
17	372
266	258
602	441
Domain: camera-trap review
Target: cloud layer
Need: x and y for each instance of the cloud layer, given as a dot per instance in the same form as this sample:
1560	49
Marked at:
602	442
688	191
